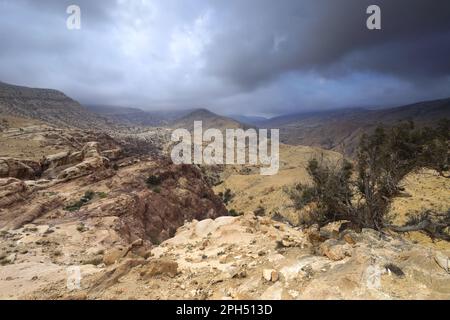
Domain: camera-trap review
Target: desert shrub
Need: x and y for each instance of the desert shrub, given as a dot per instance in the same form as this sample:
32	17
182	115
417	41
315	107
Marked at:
260	211
362	193
81	227
153	181
436	151
330	191
434	224
102	195
226	196
157	190
73	207
233	213
86	198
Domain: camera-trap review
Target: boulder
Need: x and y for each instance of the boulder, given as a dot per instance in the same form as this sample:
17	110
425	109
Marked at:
12	190
270	275
62	159
113	154
92	161
334	250
349	239
113	255
160	267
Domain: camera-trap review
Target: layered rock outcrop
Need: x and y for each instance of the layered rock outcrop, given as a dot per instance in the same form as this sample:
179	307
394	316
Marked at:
155	212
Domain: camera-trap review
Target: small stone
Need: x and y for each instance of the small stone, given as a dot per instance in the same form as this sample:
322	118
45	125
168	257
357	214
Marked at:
335	251
349	239
137	243
161	267
270	275
240	274
11	258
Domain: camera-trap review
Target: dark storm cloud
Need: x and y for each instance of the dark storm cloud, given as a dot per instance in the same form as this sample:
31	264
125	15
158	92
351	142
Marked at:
235	56
322	34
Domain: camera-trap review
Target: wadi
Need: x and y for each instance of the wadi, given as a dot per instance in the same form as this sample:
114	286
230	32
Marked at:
111	207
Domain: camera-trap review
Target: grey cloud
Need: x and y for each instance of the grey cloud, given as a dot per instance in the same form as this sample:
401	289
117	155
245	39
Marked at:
252	56
324	33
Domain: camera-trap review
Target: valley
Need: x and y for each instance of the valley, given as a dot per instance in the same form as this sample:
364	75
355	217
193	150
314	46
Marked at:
82	190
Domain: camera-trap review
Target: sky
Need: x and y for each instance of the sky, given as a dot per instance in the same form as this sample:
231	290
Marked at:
247	57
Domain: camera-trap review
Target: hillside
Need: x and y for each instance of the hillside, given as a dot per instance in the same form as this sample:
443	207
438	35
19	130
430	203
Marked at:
47	105
340	130
138	117
210	120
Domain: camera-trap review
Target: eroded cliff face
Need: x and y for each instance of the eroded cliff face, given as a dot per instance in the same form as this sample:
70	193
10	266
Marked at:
146	211
154	212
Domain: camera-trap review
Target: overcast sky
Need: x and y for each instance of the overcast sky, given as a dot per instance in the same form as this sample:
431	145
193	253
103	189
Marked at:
251	57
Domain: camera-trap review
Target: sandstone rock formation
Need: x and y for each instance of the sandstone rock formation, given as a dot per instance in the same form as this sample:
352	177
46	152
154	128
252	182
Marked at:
92	160
20	169
12	190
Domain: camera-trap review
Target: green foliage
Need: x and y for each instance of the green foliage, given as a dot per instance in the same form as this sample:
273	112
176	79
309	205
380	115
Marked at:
226	196
86	198
153	181
436	151
362	196
233	213
74	206
157	190
102	195
330	192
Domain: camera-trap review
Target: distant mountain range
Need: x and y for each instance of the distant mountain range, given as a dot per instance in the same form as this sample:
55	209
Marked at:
338	130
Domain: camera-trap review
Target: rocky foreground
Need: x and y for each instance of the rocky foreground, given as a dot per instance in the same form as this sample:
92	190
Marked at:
245	257
87	218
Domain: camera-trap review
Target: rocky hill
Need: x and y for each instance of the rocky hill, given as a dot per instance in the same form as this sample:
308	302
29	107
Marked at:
209	119
47	105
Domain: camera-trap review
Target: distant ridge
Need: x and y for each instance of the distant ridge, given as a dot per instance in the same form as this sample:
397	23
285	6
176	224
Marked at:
340	130
47	105
209	119
138	117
